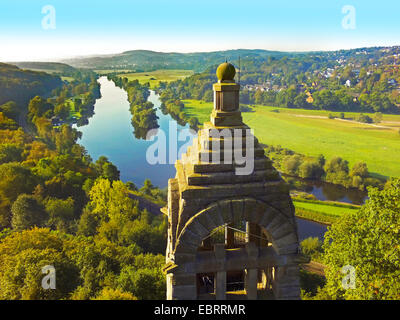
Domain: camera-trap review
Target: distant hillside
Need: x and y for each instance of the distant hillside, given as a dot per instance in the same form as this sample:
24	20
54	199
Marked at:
357	80
21	85
49	67
143	60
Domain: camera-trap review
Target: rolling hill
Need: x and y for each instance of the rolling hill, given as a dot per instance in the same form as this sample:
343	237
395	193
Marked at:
49	67
145	60
21	85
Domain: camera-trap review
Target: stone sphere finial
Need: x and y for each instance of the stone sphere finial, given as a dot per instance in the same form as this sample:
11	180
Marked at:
226	72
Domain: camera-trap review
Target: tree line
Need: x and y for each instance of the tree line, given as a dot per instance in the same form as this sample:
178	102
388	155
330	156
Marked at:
336	81
335	170
21	85
144	116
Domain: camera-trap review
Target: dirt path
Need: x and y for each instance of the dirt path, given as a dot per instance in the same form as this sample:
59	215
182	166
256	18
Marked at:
368	124
392	122
352	121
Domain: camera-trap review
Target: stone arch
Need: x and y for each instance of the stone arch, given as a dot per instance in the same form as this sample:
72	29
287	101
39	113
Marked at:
278	225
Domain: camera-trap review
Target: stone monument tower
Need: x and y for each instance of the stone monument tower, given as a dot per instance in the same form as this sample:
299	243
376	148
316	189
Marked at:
231	226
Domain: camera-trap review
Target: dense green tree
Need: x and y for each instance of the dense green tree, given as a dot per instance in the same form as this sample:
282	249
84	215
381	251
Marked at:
301	100
62	110
110	172
368	241
14	180
310	169
10	153
337	171
311	247
377	117
7	123
131	186
88	223
27	212
106	169
66	138
10	110
148	187
60	212
144	279
364	118
291	164
21	269
114	294
360	169
38	107
111	200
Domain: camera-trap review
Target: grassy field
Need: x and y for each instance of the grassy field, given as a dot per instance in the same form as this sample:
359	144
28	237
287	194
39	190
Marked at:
325	212
69	79
154	77
199	109
324	208
311	133
73	110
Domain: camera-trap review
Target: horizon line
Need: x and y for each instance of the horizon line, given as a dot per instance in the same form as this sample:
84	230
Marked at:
60	59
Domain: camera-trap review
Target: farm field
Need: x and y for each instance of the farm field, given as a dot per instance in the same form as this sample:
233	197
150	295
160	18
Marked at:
154	77
310	132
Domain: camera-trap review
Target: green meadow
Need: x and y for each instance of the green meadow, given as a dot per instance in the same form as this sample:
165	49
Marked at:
73	110
325	212
154	77
326	208
311	132
199	109
69	79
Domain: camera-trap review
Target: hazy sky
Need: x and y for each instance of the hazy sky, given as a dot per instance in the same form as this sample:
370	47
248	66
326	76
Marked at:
87	27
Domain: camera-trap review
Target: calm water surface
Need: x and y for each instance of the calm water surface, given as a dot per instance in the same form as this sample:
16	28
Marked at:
110	133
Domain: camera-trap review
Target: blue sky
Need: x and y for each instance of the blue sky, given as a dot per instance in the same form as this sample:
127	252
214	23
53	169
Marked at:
88	27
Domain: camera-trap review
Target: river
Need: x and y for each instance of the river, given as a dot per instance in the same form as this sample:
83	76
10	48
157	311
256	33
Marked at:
328	191
110	133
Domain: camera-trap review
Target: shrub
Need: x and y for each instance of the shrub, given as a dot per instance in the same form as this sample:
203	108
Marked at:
27	213
337	171
145	284
311	246
114	294
368	240
310	283
311	169
291	164
364	118
377	117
